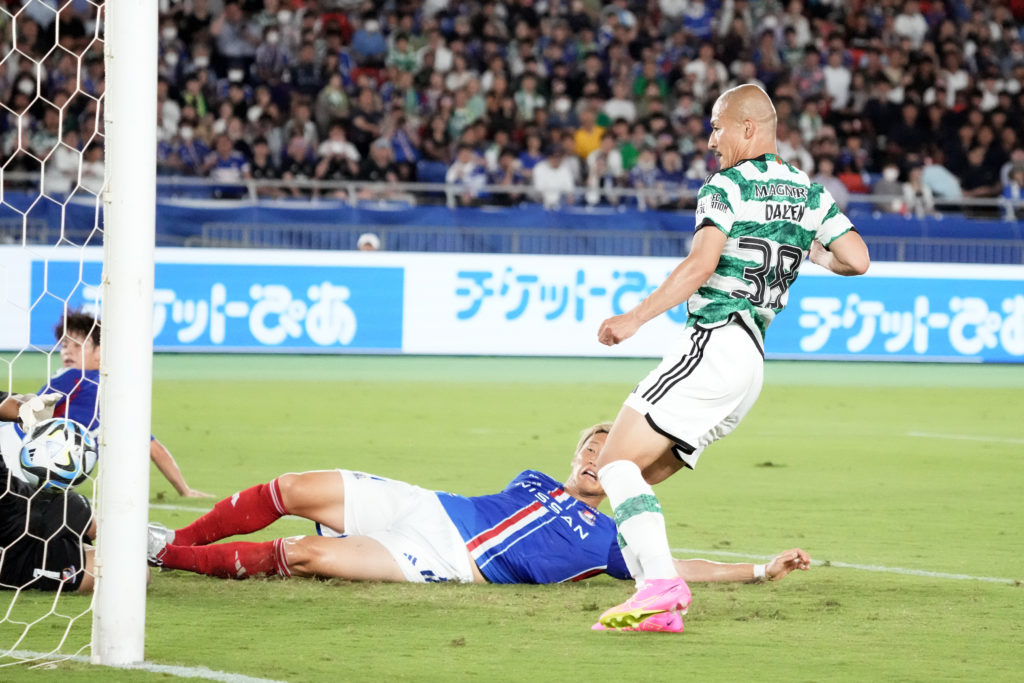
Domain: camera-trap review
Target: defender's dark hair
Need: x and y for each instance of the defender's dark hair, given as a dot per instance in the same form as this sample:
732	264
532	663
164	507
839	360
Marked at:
78	324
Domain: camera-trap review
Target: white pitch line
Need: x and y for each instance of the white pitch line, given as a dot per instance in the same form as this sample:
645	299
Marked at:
965	437
921	572
179	671
847	565
186	508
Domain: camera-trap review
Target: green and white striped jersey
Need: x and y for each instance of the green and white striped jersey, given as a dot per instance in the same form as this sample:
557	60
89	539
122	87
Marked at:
770	211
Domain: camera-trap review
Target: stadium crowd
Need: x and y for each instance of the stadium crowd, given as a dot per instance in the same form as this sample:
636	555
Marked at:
913	100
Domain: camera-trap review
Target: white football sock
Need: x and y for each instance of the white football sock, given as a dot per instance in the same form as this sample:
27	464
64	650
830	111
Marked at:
639	518
632	563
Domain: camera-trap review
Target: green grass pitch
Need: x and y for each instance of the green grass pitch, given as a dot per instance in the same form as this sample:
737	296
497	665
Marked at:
897	467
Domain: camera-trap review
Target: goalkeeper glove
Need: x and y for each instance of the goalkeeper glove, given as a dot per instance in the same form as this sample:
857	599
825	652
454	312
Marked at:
35	409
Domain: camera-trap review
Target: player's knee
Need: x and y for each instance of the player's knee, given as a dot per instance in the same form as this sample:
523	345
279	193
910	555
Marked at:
290	487
302	554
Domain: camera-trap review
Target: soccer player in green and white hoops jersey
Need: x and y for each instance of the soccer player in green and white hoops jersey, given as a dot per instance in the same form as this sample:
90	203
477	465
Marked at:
757	220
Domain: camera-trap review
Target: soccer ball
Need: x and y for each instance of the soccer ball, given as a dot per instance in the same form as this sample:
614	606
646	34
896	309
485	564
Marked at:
58	454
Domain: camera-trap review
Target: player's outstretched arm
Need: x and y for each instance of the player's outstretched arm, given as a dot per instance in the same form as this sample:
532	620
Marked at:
679	286
846	255
706	571
168	467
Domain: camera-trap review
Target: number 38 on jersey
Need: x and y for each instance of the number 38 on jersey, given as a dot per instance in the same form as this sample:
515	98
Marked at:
775	268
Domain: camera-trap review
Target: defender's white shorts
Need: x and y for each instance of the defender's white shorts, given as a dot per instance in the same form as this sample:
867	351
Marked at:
702	389
407	520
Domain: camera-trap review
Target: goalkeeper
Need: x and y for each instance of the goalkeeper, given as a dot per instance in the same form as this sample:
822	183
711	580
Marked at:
44	533
74	393
536	530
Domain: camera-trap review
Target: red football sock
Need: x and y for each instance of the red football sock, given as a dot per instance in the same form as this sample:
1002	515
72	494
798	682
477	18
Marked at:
246	511
238	560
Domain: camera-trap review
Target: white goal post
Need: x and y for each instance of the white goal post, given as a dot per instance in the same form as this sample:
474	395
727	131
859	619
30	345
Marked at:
129	200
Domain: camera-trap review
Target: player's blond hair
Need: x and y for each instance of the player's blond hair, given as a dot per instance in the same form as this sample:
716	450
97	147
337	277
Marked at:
588	433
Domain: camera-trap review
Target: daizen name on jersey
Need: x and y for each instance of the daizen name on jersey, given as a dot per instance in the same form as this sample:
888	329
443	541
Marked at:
784	212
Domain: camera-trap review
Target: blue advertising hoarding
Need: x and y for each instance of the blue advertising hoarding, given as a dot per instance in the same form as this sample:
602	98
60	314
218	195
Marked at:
893	318
217	306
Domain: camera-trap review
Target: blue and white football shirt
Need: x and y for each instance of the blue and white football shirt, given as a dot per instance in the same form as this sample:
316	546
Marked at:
535	532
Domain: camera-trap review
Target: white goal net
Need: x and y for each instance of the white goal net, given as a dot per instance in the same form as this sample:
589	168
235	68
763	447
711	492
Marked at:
77	166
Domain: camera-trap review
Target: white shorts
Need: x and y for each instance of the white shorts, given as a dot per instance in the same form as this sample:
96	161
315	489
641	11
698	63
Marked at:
702	388
407	520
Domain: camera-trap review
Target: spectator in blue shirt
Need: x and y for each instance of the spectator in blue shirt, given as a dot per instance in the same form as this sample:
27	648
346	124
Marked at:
466	177
644	176
507	175
671	179
236	37
403	149
698	19
228	165
533	154
369	45
272	58
192	151
306	79
1013	195
167	160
